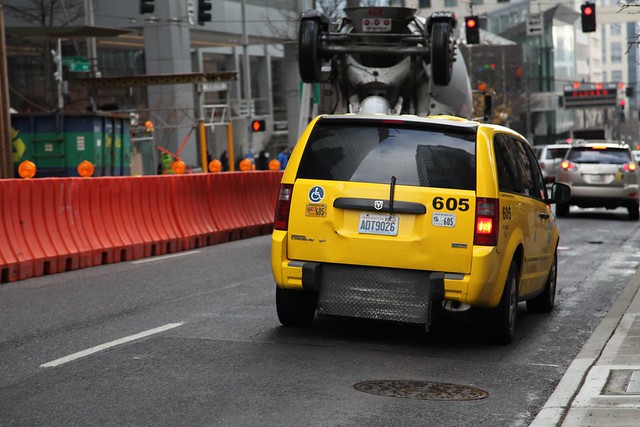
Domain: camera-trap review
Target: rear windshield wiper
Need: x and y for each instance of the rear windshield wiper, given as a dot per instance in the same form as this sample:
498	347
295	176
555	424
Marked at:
392	190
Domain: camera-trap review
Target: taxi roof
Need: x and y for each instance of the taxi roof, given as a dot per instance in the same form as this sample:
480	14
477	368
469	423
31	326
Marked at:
439	121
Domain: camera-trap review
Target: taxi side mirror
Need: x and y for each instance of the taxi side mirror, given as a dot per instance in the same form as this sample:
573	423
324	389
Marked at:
560	193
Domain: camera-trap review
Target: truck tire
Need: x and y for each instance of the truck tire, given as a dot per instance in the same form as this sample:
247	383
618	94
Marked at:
562	210
441	53
309	61
634	211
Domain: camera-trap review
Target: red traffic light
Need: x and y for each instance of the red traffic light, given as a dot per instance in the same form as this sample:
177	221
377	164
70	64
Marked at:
472	29
588	17
258	125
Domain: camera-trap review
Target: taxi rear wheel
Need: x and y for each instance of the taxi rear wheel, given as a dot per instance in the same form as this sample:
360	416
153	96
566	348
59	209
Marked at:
506	314
296	308
544	302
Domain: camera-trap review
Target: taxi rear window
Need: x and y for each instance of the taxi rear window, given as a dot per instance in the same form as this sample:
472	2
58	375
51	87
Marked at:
375	151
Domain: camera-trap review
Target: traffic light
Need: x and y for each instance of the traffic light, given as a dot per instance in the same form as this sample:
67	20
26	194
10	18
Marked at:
472	29
258	125
146	6
204	11
622	104
588	16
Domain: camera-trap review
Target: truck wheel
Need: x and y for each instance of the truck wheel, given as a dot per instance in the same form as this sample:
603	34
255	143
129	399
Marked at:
506	313
441	53
296	308
544	302
562	210
634	211
309	62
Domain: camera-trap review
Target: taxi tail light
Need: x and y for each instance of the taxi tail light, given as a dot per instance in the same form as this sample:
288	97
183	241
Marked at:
487	222
629	167
567	165
281	221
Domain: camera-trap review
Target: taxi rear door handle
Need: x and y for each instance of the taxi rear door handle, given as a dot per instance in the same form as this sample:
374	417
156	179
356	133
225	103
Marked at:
543	215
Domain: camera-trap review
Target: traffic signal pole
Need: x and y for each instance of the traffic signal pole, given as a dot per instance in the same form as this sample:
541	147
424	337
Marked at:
246	74
202	130
6	152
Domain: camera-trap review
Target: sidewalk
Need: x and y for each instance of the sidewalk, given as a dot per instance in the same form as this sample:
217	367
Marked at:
602	385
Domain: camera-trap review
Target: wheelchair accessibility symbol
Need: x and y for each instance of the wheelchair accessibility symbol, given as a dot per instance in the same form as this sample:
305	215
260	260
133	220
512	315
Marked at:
316	194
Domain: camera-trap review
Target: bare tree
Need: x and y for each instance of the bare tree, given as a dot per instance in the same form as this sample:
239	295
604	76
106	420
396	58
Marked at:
46	13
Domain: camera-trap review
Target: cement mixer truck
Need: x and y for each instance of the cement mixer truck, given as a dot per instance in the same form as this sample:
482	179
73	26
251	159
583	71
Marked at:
385	60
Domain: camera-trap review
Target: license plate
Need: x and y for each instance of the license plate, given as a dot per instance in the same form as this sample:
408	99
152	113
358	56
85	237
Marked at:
598	178
441	219
385	225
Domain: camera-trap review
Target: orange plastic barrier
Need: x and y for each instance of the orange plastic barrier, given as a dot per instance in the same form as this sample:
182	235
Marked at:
52	225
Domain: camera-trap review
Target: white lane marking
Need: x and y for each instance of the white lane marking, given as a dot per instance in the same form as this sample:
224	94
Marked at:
107	345
163	257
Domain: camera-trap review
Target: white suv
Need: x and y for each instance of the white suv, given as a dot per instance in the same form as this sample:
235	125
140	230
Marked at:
549	158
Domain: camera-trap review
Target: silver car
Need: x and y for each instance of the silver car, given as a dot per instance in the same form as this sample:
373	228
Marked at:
601	174
549	158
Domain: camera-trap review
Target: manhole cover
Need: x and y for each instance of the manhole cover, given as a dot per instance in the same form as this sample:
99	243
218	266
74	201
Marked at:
423	390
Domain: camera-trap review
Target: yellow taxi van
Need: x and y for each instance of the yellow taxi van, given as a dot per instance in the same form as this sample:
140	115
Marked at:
400	217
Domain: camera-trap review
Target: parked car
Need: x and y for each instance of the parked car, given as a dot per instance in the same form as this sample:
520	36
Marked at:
549	158
399	217
600	174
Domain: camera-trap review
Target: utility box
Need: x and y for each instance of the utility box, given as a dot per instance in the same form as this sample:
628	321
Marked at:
58	143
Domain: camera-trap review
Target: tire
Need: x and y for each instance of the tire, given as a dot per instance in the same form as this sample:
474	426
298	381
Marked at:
634	211
441	53
545	302
562	210
506	314
309	62
296	308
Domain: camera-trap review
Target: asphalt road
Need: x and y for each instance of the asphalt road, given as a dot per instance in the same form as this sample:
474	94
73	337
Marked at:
193	339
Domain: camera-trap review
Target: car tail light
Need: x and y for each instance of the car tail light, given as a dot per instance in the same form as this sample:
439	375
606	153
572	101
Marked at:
567	165
487	222
281	221
629	167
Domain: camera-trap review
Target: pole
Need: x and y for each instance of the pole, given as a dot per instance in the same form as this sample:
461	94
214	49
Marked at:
201	129
246	74
59	81
6	153
92	51
230	155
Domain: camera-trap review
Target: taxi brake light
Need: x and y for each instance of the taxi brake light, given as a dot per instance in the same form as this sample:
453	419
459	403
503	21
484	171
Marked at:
567	165
629	167
487	222
283	205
